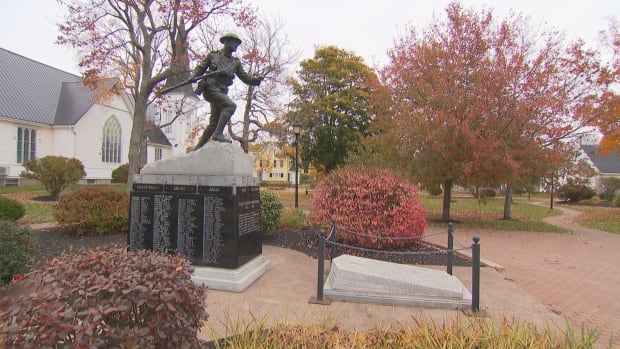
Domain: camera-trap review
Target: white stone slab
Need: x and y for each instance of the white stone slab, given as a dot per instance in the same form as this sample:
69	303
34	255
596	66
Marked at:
233	280
367	280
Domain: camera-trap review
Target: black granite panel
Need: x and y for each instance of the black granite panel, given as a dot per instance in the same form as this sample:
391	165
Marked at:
210	225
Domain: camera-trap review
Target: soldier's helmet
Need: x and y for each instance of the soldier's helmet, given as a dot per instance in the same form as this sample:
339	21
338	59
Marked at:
230	36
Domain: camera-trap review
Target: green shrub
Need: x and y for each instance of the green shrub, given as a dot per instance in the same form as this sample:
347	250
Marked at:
617	202
372	202
304	178
271	208
608	188
487	193
575	192
16	246
120	174
108	298
434	190
11	209
94	209
293	219
55	172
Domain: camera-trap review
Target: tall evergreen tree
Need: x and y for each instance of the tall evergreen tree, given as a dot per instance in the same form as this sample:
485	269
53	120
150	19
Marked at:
333	103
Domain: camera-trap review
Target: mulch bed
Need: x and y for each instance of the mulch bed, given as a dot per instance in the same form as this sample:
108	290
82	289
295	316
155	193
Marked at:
56	240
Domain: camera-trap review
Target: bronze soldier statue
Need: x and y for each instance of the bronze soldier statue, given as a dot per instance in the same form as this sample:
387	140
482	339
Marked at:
220	68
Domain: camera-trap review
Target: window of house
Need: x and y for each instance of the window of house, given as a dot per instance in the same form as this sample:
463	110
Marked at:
168	115
111	142
26	144
158	153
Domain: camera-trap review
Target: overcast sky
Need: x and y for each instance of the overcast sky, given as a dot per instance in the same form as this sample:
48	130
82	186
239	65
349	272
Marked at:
365	27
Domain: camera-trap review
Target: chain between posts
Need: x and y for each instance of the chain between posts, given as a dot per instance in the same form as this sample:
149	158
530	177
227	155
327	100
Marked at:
331	239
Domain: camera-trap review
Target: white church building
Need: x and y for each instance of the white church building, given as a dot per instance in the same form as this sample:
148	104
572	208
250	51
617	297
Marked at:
45	111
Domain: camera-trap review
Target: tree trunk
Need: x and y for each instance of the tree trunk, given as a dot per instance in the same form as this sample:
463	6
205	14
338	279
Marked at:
508	202
245	134
447	199
552	192
329	168
137	146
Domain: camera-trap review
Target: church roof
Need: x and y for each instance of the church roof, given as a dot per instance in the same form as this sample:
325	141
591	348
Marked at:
156	136
609	163
31	91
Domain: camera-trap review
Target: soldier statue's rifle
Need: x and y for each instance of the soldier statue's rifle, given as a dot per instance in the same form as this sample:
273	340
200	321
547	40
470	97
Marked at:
189	81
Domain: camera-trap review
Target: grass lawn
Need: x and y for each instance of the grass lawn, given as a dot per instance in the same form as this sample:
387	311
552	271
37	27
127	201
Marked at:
465	211
470	213
602	218
36	211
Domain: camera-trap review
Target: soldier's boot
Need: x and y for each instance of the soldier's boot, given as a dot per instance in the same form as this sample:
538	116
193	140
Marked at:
205	137
218	134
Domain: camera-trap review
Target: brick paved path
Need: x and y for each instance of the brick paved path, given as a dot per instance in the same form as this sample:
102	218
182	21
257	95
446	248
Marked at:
575	275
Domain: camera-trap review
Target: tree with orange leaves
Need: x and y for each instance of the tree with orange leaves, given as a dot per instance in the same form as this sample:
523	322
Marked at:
609	122
482	101
138	41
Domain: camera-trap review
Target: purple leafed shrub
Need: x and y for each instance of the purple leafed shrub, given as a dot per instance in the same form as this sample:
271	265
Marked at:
369	201
107	298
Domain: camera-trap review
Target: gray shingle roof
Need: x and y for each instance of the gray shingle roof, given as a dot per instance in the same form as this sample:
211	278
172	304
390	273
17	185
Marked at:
29	90
35	92
156	136
75	100
609	163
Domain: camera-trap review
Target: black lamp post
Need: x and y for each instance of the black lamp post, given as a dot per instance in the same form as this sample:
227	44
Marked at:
297	131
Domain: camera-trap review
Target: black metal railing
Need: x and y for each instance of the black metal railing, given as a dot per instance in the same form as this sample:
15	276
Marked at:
332	240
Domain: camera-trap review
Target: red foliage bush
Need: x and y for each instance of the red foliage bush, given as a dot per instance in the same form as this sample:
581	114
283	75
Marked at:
107	298
94	209
369	201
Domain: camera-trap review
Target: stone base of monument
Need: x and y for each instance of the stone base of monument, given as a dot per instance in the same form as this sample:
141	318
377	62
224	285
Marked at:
363	280
232	280
204	205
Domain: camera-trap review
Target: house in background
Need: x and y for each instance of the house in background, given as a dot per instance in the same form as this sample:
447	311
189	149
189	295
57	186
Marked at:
274	166
605	166
45	111
271	165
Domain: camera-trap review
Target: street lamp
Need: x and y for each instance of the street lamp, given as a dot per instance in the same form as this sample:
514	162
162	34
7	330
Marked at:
297	131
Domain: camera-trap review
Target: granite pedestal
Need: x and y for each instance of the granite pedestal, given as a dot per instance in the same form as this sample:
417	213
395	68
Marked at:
204	205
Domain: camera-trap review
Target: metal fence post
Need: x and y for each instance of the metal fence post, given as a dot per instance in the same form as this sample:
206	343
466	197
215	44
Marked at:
321	271
450	248
475	277
333	238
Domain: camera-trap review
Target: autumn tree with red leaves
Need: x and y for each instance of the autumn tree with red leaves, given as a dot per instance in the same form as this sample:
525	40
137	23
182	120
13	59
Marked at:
477	101
609	122
136	41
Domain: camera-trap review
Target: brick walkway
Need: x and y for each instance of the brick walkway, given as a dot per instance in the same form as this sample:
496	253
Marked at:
575	275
